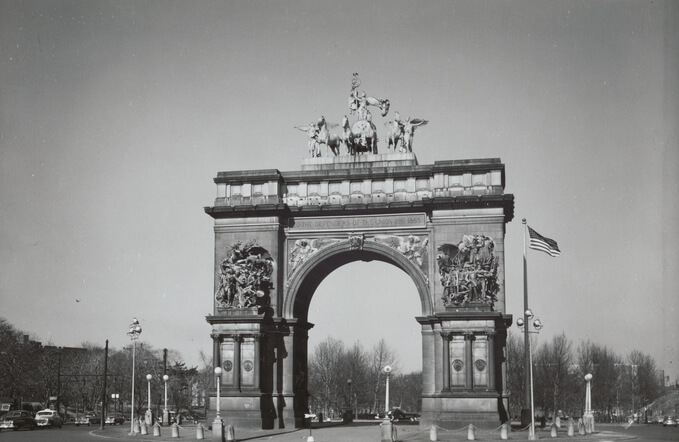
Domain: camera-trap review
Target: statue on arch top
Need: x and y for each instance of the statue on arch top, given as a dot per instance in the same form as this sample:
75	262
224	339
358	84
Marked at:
359	101
312	132
363	138
402	133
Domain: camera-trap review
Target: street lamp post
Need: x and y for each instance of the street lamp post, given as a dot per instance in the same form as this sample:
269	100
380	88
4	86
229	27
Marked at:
386	427
589	416
149	413
537	325
166	414
350	411
387	371
133	333
218	424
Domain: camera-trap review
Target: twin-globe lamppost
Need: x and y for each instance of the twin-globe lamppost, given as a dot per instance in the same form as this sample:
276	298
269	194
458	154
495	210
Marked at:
133	333
537	325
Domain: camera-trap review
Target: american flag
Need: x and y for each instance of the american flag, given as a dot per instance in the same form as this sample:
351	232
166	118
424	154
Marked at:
539	242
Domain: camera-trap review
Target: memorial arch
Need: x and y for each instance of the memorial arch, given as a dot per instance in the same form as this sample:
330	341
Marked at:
279	234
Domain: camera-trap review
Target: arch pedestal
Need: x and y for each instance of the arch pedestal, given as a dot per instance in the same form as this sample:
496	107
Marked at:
279	234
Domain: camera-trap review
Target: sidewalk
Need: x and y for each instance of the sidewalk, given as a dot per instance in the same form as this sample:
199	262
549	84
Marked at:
357	432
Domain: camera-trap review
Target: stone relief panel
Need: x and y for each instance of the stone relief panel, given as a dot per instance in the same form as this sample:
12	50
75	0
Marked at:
303	248
412	247
245	277
468	271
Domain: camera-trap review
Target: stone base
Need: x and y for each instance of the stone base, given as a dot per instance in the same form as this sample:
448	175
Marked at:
254	411
361	161
454	413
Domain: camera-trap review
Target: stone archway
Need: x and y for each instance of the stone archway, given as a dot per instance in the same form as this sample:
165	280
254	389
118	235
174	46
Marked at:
304	281
278	235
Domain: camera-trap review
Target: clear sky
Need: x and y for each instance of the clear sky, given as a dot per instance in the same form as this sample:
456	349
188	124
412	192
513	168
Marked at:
116	115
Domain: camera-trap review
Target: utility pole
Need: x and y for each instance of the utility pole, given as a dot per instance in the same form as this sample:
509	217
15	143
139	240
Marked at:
59	382
103	392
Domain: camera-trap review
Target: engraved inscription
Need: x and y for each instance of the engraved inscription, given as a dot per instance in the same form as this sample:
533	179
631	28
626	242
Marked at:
360	222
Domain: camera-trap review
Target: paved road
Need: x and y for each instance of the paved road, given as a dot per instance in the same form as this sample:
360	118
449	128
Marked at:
368	432
66	434
651	433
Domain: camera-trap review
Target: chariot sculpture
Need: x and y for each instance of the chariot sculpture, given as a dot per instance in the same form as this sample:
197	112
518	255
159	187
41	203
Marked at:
360	137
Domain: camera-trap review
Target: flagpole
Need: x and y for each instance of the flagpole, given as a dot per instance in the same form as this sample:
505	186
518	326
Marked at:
525	412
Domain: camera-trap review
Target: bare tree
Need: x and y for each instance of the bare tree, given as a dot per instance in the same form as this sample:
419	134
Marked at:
601	363
381	356
515	372
646	379
325	366
406	391
555	377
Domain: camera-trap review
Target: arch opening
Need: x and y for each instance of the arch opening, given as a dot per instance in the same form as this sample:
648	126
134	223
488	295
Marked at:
366	302
305	281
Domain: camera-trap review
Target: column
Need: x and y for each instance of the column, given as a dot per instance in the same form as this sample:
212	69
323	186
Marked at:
446	361
216	350
468	361
491	360
258	360
286	354
236	362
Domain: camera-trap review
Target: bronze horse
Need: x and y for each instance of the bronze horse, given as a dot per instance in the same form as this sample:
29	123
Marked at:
325	137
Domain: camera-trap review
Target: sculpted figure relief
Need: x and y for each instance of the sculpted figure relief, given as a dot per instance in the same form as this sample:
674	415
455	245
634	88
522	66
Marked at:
468	271
413	247
245	277
304	248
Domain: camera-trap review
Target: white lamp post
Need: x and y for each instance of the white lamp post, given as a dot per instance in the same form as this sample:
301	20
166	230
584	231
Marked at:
387	371
537	325
589	416
166	415
149	414
386	427
133	333
218	425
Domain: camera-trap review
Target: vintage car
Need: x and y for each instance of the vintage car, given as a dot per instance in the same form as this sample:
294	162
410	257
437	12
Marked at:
16	419
48	418
88	419
81	420
399	415
114	419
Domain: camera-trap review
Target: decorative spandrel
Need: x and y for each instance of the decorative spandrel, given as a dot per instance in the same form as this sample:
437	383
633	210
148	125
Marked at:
303	248
360	137
245	277
468	272
412	247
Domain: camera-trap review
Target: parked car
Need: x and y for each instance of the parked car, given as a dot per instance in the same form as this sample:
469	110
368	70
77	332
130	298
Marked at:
88	419
399	415
670	421
16	419
114	419
48	418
